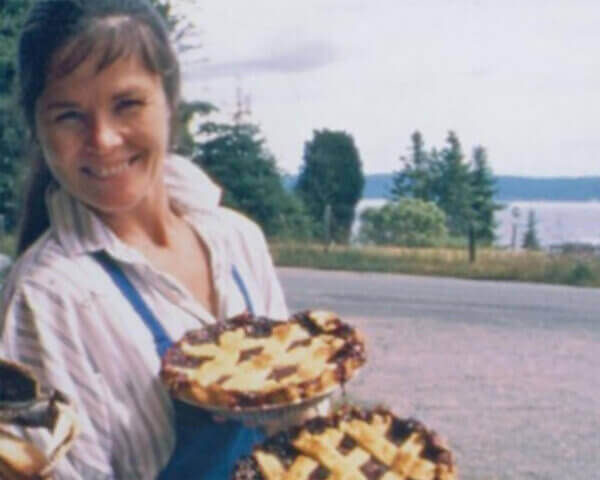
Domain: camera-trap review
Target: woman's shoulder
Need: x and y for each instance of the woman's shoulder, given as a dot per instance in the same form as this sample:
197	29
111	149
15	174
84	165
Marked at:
241	232
46	267
239	223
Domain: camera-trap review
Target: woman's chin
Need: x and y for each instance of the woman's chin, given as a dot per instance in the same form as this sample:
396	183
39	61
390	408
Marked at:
114	206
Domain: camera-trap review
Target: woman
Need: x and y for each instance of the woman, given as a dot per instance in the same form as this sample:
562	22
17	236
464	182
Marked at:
123	245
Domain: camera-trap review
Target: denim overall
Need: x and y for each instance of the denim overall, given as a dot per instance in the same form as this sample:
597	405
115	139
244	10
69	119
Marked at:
204	449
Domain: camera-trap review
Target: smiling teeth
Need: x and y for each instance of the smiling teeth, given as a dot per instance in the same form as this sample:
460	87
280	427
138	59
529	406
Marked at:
105	172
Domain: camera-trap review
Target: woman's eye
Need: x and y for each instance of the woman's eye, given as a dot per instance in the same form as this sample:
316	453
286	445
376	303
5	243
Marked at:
128	104
67	116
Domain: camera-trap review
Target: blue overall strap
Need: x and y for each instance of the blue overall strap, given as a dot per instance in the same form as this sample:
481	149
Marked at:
204	449
242	286
162	341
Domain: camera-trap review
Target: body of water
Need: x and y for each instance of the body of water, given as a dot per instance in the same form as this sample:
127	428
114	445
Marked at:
557	222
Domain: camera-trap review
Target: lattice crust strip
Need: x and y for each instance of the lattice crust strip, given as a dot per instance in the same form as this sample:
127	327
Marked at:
248	361
351	445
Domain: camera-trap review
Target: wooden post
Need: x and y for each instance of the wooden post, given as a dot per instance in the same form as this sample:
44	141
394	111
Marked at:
327	227
472	246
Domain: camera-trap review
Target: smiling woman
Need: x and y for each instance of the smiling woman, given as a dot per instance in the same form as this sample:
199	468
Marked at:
60	108
123	245
105	134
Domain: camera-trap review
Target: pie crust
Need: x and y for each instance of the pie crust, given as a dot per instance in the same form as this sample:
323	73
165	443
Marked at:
249	361
20	460
24	404
351	444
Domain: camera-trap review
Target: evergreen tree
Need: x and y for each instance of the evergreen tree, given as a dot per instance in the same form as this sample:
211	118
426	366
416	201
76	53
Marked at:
12	131
530	240
454	188
483	190
417	179
331	176
234	155
464	191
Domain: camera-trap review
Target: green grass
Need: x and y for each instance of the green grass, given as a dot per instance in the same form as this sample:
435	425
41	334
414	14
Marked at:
491	264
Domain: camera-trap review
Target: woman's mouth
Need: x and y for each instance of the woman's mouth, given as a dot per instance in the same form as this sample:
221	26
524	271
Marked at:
109	171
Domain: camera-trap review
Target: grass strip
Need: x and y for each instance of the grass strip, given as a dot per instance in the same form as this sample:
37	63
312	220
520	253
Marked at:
491	264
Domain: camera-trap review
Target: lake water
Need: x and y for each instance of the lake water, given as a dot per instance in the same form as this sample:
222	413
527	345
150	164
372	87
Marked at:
557	222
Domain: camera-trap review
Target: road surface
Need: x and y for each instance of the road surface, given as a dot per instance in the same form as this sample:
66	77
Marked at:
509	373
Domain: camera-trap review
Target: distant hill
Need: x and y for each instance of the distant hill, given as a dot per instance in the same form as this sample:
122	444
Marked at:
559	189
509	188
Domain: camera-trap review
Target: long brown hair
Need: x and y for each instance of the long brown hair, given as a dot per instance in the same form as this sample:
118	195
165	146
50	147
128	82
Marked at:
83	27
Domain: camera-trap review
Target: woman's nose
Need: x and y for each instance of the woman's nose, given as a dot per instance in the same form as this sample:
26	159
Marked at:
104	135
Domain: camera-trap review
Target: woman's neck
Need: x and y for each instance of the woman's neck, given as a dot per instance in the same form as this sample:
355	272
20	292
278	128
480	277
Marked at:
153	223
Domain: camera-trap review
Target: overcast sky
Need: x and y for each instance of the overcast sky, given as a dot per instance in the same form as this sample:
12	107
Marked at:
521	78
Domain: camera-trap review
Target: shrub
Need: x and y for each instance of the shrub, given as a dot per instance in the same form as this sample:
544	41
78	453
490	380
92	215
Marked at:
409	222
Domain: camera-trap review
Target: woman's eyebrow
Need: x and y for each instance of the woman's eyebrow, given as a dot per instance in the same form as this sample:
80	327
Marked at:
60	104
128	92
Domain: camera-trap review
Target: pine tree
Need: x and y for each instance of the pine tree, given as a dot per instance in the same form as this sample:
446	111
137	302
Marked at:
235	156
417	179
454	188
483	190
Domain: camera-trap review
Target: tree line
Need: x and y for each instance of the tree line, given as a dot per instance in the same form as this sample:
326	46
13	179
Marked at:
436	194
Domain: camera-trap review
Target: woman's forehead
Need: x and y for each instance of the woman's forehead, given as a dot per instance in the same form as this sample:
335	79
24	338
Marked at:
125	73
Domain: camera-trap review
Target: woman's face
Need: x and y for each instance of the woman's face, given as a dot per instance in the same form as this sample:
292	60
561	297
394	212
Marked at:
105	134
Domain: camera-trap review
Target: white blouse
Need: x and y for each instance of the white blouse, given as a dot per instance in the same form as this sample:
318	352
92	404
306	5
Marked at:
63	317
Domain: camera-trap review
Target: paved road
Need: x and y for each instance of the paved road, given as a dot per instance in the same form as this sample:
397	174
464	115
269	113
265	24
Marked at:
508	372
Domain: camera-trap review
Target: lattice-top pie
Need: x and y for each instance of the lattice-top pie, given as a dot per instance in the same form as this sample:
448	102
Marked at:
351	444
255	362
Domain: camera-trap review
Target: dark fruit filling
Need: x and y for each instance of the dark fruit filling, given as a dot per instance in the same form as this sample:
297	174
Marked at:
177	357
399	431
320	473
260	327
15	386
280	373
299	343
247	469
373	469
305	321
247	354
280	446
346	445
